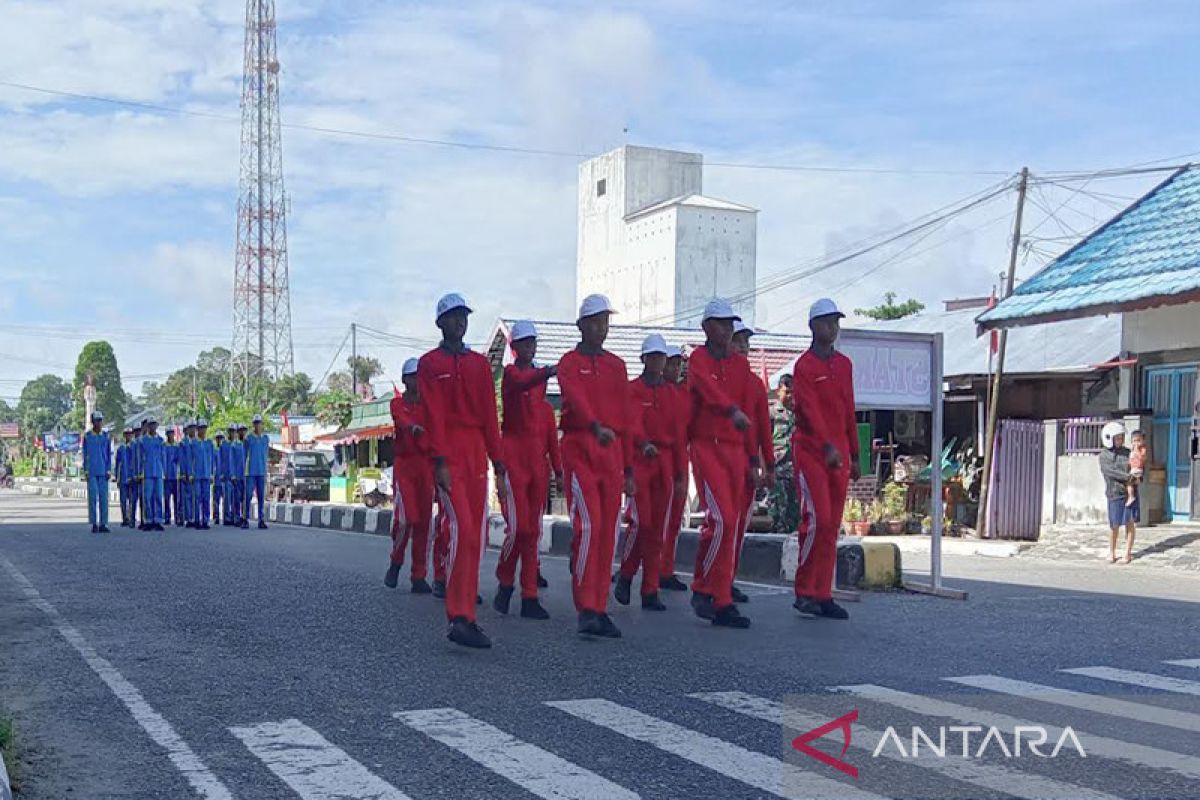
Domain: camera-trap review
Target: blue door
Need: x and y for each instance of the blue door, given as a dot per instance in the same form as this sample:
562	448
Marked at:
1171	392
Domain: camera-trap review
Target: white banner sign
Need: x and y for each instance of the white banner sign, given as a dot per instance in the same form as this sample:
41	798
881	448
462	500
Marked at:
890	372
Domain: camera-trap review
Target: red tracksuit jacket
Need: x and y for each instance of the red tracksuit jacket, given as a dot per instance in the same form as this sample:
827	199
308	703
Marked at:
523	390
663	421
409	449
716	386
824	403
595	388
459	396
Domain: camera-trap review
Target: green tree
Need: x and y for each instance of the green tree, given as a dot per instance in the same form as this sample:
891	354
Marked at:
293	393
890	309
333	408
98	360
339	382
184	389
44	404
7	412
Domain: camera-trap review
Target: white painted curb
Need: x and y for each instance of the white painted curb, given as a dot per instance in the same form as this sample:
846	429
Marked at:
5	784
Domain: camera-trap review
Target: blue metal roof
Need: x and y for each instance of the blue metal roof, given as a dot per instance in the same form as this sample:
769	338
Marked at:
1146	256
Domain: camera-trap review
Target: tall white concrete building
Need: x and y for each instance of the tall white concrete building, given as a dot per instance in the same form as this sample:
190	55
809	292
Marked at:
652	242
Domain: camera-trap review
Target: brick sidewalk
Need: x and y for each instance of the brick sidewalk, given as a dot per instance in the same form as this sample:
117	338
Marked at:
1175	546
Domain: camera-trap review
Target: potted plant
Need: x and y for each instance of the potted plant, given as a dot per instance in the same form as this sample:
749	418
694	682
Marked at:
895	512
875	514
856	516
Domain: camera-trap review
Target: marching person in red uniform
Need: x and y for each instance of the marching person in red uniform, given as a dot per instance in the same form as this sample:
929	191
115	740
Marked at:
659	450
597	449
524	489
721	387
457	389
412	483
825	451
762	443
673	375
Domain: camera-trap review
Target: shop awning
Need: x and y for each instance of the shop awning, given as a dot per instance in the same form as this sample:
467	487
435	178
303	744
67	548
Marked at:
351	436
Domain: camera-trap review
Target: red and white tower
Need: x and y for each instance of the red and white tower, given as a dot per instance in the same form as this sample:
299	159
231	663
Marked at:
262	314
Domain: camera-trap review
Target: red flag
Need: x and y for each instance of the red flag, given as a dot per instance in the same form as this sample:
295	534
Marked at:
995	335
283	413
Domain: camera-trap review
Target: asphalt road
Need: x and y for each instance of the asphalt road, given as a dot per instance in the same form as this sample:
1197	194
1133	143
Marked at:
275	664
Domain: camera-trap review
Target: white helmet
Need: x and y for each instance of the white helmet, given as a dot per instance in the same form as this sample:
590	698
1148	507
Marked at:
1110	432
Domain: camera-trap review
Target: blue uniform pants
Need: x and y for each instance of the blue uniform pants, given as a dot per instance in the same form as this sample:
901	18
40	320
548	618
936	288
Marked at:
255	485
189	500
123	495
220	502
170	501
203	495
152	501
131	497
239	499
227	491
97	500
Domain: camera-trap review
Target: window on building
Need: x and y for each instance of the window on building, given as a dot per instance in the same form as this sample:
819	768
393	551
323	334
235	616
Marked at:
601	187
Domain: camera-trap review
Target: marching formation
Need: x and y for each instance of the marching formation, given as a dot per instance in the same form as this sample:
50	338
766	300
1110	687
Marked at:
622	462
188	484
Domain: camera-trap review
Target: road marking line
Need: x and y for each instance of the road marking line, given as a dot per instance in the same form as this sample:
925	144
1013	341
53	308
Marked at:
1186	662
314	768
988	776
1136	754
152	722
1141	712
746	766
1150	681
533	769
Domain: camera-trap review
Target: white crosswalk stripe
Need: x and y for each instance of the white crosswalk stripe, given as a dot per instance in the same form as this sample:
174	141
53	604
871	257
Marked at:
537	771
1141	712
745	766
1113	749
1146	679
314	768
988	776
1186	662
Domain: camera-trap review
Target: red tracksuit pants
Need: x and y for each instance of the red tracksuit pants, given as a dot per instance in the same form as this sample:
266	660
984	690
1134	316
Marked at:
412	516
595	480
821	494
464	508
666	567
649	517
720	469
523	495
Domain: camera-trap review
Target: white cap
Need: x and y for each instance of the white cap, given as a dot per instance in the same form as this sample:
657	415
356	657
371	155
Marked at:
674	351
450	302
410	367
741	327
150	420
719	308
1111	431
823	308
523	329
257	418
201	423
97	416
595	304
655	343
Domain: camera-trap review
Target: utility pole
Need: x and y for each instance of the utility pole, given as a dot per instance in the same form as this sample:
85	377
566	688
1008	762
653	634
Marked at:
989	443
354	357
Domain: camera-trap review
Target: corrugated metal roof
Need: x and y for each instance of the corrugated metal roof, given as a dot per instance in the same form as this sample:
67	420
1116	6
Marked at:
770	351
1074	345
695	200
1146	256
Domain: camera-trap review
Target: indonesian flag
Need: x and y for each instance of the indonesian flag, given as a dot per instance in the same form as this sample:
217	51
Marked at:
995	334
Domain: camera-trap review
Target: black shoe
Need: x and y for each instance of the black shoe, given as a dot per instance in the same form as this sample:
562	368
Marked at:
439	590
262	526
831	610
808	608
532	609
245	526
392	577
589	624
622	590
95	529
104	529
503	599
419	586
729	617
204	528
159	528
672	584
702	604
608	628
650	602
738	595
478	599
468	634
542	582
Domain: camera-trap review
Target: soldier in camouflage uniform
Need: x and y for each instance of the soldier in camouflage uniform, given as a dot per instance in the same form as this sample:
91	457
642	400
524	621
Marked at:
785	511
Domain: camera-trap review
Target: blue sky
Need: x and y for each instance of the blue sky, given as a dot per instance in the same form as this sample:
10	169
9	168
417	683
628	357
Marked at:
119	223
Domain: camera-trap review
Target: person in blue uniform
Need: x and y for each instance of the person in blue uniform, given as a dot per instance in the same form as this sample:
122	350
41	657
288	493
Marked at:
122	475
172	514
237	471
226	463
153	464
220	503
203	456
187	474
257	446
135	476
97	466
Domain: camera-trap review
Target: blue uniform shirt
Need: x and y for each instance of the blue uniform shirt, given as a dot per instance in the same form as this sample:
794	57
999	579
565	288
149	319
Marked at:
203	455
125	463
171	461
237	460
186	470
256	454
221	457
97	453
153	456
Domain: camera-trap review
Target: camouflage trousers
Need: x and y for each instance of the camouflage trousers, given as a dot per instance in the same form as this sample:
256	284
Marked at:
781	502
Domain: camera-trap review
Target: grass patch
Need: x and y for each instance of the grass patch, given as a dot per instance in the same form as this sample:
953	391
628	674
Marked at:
6	746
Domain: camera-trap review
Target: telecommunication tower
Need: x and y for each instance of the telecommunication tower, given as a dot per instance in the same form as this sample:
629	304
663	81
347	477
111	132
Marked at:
262	314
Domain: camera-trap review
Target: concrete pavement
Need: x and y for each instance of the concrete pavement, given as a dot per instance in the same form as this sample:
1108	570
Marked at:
274	663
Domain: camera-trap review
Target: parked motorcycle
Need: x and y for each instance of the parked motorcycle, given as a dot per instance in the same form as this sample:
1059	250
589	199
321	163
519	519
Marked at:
375	490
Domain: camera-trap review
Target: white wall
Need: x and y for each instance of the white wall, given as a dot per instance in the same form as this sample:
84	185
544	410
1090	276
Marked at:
1169	328
717	256
645	285
654	176
601	229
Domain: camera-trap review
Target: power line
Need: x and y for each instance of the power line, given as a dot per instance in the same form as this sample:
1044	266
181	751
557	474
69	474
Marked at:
332	361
